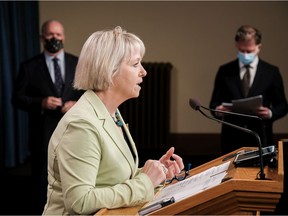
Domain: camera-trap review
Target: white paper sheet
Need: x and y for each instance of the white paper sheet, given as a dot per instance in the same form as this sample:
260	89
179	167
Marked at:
194	184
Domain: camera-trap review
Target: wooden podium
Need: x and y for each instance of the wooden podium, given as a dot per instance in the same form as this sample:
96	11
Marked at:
241	195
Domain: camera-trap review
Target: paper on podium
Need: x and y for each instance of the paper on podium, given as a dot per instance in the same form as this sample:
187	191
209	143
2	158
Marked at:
245	105
194	184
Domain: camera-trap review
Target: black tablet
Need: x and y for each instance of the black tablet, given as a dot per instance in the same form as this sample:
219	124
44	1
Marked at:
251	158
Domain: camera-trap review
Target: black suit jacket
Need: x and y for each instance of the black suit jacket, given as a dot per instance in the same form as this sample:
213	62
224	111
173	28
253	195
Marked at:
34	83
268	83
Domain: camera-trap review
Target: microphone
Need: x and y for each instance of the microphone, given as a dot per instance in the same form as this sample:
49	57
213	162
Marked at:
195	104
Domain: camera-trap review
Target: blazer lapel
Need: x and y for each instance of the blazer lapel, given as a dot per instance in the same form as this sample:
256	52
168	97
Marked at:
69	77
130	139
46	74
118	139
233	80
257	79
111	129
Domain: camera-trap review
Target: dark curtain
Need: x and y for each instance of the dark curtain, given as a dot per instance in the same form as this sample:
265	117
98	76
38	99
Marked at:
19	40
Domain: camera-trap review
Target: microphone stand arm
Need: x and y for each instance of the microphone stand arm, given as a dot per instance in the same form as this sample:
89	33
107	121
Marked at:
262	174
243	115
232	113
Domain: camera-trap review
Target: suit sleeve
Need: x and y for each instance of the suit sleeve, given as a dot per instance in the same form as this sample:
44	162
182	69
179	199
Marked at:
20	96
219	93
278	105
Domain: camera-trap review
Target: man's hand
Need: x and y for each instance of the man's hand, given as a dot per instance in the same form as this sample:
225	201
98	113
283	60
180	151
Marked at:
222	108
264	112
51	103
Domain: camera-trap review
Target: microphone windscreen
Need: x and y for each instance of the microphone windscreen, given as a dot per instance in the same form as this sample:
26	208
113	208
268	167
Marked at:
195	104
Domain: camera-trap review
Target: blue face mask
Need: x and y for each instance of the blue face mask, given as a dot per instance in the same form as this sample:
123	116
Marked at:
246	58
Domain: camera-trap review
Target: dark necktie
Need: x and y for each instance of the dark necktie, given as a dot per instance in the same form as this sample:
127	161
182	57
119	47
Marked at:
58	78
246	80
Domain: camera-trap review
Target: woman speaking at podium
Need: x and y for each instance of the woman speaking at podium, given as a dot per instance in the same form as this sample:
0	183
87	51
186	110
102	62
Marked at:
92	158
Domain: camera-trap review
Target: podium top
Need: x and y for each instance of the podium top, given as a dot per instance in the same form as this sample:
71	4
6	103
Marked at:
241	193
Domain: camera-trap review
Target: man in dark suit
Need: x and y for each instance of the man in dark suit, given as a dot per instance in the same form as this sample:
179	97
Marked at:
44	88
261	78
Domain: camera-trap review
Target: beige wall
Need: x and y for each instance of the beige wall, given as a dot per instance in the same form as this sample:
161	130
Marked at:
196	37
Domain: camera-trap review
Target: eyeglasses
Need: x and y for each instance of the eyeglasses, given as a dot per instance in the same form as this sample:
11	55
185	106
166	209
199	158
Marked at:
181	176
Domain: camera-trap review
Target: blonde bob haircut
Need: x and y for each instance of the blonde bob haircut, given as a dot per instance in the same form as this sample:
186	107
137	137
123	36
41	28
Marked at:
101	57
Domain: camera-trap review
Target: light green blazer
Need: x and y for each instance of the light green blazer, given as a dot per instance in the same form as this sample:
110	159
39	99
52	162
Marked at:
90	165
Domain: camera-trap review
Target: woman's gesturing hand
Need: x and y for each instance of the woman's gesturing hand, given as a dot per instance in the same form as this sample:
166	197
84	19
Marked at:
174	166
